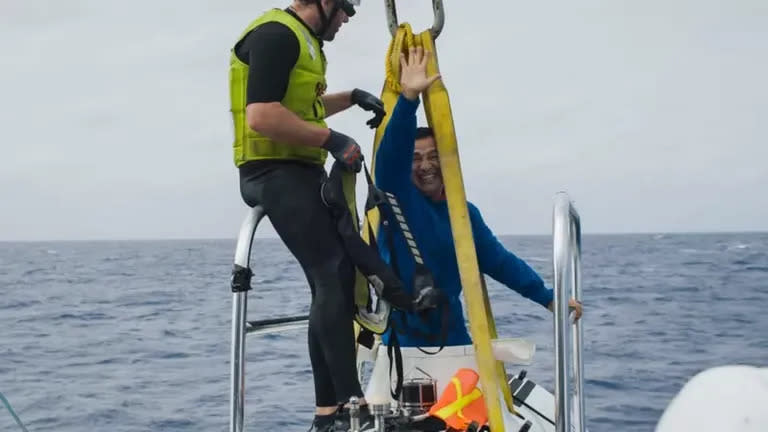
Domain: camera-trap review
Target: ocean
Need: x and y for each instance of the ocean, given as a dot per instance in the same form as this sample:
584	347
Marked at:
135	335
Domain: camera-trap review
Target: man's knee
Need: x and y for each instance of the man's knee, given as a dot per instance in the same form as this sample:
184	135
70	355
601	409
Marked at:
249	193
333	283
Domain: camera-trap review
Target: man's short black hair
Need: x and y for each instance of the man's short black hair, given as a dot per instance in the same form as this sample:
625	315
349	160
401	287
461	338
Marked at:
424	132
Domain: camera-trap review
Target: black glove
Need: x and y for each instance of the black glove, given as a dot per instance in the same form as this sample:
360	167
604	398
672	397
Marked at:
428	296
369	102
345	150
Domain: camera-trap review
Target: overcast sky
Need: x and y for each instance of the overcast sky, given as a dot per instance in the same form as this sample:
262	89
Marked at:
650	113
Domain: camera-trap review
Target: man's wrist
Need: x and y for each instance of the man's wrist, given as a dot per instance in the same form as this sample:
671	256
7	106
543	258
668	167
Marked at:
411	95
325	135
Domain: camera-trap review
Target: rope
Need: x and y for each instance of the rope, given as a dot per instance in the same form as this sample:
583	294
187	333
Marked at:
13	413
404	38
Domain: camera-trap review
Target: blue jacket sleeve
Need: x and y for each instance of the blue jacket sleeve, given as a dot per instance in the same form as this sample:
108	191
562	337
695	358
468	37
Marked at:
394	156
502	265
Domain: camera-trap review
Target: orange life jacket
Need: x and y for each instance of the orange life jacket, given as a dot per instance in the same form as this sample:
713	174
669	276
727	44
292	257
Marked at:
461	402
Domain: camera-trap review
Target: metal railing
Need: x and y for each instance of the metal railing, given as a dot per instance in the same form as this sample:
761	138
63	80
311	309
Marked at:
566	233
567	277
240	285
437	24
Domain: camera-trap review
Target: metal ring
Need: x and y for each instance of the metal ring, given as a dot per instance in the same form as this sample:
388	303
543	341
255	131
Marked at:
437	24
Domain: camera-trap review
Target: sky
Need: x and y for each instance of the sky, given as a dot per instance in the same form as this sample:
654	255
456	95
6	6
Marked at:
114	120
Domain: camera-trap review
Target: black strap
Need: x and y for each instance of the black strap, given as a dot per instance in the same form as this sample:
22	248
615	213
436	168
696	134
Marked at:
241	278
444	311
366	338
365	258
444	316
394	348
326	20
422	276
372	238
367	175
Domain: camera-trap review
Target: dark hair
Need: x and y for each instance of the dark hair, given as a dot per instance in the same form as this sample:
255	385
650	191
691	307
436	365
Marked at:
424	132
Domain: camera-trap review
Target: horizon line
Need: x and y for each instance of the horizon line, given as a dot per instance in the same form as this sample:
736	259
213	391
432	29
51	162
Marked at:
275	237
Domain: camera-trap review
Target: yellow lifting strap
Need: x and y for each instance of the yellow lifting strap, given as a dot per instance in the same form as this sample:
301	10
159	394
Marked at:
438	112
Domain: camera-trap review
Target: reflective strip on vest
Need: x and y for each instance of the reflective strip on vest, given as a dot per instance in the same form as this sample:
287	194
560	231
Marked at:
461	402
458	409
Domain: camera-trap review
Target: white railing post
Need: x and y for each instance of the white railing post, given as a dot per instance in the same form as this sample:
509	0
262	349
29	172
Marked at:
566	233
241	283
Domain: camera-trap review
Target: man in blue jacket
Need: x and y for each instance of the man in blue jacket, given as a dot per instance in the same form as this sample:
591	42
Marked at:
408	166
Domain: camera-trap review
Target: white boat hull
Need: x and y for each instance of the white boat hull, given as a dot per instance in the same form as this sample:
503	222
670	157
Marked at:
532	402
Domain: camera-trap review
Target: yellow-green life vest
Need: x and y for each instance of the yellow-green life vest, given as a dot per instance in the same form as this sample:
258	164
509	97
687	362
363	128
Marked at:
306	85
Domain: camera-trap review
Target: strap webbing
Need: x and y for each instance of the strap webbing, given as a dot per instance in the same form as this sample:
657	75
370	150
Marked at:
422	275
394	349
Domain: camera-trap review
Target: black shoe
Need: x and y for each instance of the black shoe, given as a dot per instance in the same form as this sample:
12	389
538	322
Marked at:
327	427
323	424
342	423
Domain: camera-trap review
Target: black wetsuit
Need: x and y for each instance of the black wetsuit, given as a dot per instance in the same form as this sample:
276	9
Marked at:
289	192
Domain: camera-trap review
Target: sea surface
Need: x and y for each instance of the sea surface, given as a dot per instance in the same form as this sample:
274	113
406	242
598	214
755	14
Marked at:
135	336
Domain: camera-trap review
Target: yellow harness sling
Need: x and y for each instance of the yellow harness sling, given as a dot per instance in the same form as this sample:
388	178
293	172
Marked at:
439	117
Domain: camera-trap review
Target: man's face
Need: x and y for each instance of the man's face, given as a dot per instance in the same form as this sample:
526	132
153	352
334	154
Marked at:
425	171
338	20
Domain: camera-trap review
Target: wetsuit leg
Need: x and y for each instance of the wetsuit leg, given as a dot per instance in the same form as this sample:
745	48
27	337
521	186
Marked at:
290	195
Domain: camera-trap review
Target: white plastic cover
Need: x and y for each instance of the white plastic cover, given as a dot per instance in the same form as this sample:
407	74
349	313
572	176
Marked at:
730	398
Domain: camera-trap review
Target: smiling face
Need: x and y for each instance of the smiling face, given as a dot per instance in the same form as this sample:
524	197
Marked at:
425	171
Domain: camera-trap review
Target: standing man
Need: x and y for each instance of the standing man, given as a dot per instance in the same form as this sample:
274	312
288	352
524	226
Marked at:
278	103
